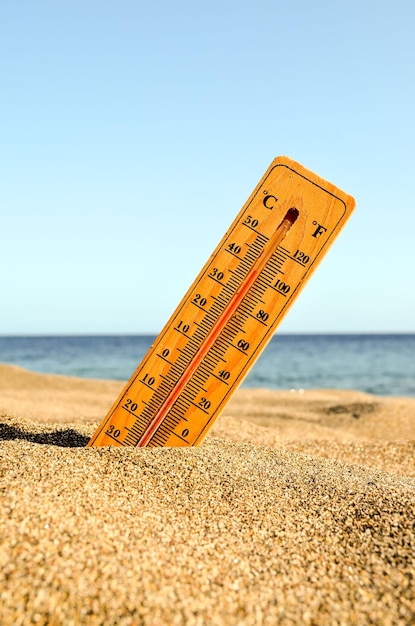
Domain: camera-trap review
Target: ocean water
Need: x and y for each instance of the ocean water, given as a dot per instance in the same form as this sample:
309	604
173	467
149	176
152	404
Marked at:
379	364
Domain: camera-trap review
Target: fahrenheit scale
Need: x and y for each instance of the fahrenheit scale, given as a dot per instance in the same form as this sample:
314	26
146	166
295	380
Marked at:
230	311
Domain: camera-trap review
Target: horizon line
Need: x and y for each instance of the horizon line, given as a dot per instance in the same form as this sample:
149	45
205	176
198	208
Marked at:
155	334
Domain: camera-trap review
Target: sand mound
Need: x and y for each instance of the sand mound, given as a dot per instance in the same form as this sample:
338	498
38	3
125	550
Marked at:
279	529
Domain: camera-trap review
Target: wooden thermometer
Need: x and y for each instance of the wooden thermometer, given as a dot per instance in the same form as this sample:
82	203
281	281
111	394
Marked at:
230	312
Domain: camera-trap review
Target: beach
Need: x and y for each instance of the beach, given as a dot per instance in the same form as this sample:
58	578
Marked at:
298	508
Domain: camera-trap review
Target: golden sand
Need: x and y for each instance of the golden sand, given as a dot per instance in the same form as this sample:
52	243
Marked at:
299	509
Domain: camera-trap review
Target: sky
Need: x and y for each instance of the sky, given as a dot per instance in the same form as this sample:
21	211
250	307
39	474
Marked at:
132	133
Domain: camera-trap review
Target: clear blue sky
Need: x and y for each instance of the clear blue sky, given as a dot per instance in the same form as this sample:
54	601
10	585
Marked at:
132	133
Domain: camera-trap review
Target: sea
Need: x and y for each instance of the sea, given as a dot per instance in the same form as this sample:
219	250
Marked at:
382	364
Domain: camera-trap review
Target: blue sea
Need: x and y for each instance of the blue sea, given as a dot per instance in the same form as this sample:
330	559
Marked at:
379	364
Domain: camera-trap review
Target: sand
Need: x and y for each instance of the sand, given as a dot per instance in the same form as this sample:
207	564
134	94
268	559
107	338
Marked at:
298	509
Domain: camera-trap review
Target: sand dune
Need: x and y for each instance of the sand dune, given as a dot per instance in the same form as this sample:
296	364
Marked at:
298	509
